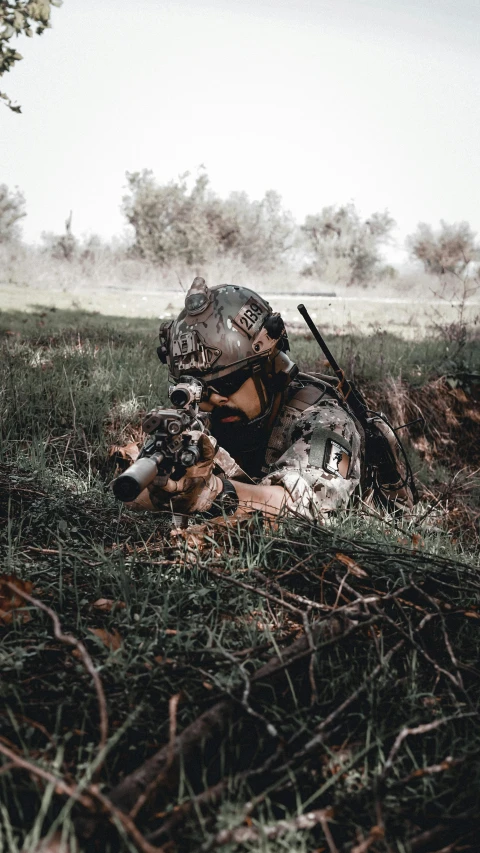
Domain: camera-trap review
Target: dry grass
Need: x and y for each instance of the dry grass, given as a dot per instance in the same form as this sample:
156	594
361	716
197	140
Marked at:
410	308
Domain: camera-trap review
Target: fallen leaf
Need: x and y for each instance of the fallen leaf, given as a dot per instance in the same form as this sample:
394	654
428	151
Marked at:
207	686
170	632
127	451
352	566
13	606
471	614
106	605
473	415
459	394
112	640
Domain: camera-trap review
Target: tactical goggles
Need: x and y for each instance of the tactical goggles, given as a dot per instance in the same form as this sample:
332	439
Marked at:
225	386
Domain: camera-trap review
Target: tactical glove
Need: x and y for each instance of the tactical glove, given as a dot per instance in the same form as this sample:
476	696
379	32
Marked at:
196	490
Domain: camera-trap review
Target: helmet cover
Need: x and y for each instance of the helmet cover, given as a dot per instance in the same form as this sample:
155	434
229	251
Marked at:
221	330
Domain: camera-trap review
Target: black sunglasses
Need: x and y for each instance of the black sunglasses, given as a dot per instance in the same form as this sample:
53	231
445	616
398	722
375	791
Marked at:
225	386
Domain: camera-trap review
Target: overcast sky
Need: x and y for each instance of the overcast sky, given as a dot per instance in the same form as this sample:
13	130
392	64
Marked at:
325	101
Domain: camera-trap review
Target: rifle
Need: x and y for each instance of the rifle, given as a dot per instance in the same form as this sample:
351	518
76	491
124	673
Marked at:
378	453
168	449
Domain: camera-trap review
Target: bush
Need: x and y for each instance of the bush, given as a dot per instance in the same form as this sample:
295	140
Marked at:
342	246
451	249
12	210
174	223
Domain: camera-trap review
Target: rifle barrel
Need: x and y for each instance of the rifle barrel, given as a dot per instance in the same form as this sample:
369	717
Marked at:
135	479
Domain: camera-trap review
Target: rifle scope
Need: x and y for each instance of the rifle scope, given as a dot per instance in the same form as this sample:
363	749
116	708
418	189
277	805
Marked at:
188	390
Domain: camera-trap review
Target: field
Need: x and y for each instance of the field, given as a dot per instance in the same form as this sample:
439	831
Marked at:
292	688
412	306
400	314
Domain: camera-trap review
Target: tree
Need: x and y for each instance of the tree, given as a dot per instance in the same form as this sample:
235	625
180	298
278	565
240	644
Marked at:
173	222
169	220
12	210
62	247
260	232
16	17
450	249
342	245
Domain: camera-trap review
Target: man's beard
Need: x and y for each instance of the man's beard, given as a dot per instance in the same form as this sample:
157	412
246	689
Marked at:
241	438
228	434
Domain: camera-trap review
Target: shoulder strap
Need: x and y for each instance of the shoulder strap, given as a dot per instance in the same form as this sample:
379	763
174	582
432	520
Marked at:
312	391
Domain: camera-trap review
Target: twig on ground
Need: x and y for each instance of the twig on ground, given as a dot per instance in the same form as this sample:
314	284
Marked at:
418	730
376	834
243	834
444	765
60	786
70	640
172	716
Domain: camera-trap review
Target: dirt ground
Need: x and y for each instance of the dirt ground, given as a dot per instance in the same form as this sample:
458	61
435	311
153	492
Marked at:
362	311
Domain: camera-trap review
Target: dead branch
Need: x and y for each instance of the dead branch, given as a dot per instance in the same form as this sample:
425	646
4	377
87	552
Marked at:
376	834
444	765
60	786
419	730
70	640
161	771
157	774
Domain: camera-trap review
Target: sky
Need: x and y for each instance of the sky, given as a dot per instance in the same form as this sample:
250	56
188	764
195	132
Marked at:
326	101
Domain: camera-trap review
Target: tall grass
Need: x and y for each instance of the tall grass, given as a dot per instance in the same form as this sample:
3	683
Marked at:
73	384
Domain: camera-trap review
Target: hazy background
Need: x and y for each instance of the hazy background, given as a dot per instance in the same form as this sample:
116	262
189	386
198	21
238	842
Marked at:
325	102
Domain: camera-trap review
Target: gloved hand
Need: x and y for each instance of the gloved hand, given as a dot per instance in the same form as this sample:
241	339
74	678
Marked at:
197	489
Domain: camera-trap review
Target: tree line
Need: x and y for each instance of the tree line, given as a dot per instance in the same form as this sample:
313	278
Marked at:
185	221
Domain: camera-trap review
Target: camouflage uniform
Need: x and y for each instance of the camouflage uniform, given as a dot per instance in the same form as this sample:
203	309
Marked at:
314	450
313	445
315	453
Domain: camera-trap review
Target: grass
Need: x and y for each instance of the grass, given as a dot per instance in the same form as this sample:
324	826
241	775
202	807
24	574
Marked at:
176	625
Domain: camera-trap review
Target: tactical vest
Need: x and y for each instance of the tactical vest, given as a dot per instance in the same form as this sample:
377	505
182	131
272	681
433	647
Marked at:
306	390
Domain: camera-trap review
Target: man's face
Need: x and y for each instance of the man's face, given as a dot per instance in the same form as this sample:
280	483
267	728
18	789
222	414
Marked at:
229	413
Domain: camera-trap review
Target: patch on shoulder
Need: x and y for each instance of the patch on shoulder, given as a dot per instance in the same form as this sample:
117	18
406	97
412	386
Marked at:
337	459
330	451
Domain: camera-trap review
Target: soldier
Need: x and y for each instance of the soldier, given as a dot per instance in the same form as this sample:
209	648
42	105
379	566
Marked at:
280	441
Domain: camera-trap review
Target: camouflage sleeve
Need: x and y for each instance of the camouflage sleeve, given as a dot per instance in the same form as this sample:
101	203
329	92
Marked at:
321	469
225	464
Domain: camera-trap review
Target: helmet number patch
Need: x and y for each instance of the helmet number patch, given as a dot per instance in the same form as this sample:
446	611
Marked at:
248	316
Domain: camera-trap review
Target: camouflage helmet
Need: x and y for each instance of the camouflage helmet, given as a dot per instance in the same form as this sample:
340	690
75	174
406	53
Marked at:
224	330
